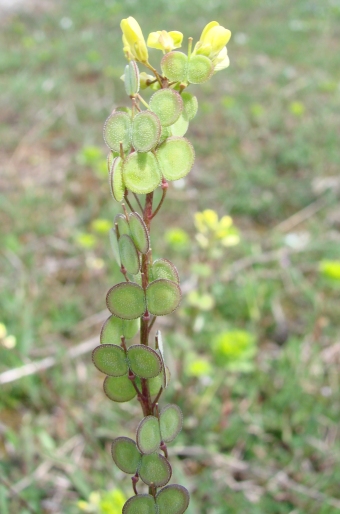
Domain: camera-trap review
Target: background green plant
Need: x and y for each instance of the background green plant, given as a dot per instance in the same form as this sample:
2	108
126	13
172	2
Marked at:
273	131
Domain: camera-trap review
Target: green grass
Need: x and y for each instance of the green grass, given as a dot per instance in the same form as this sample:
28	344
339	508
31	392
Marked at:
265	435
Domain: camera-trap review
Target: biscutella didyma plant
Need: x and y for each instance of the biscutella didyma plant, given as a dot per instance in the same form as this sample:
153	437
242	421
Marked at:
148	150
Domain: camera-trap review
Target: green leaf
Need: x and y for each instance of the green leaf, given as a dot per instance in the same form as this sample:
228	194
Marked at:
171	422
116	180
119	389
168	106
110	359
146	131
172	499
140	504
126	300
155	469
190	105
163	268
144	361
129	255
200	69
176	157
117	129
141	173
114	245
112	331
148	435
162	297
174	66
131	78
123	225
125	454
139	232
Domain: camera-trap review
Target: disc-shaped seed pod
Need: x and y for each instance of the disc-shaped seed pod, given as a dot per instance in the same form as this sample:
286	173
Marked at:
139	233
126	300
114	328
146	131
162	297
155	469
114	245
129	255
123	225
200	69
190	105
156	383
172	499
141	173
168	106
166	132
170	422
176	157
110	359
148	435
131	78
116	180
119	389
175	66
117	129
180	127
163	268
144	361
140	504
125	454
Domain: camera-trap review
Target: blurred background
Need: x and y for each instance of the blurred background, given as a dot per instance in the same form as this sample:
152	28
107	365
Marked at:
254	349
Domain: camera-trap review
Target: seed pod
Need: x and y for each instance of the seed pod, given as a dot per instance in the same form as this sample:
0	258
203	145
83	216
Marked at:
141	173
146	131
172	499
117	129
131	78
119	389
168	105
110	359
125	454
200	69
129	254
140	504
190	105
126	300
180	127
155	469
162	297
163	268
143	361
175	66
123	225
170	422
139	232
176	157
148	435
116	180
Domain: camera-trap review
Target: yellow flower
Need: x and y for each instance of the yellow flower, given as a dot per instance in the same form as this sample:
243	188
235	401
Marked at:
221	61
213	38
133	40
165	41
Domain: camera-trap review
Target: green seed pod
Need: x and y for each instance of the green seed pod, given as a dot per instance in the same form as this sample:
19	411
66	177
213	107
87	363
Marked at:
171	422
119	389
148	435
172	499
180	127
200	69
123	225
141	173
129	254
190	105
125	454
163	268
140	504
155	469
162	297
130	327
166	132
176	157
139	232
156	383
168	106
146	131
116	180
114	245
112	331
117	129
175	66
131	78
143	361
126	300
110	359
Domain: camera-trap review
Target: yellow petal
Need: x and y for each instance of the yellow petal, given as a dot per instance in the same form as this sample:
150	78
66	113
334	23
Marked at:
177	38
133	40
207	29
